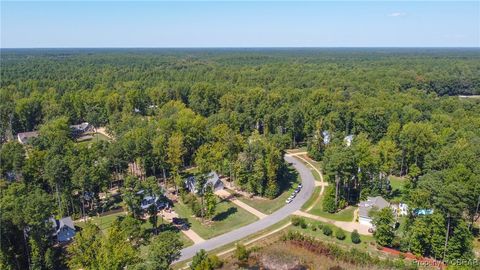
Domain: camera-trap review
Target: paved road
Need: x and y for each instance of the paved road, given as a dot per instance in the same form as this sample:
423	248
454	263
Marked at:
308	185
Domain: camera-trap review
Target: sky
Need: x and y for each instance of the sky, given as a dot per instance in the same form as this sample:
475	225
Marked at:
388	23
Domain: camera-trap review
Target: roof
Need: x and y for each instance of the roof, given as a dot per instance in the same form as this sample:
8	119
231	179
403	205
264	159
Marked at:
326	137
81	126
212	179
58	224
372	202
24	136
348	140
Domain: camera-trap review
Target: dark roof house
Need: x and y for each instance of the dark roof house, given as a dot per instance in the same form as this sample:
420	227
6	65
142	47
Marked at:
82	128
63	229
26	137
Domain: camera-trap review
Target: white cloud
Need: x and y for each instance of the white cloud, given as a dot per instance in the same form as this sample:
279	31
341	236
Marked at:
397	14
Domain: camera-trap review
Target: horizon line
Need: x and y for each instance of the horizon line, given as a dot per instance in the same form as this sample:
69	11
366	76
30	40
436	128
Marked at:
250	47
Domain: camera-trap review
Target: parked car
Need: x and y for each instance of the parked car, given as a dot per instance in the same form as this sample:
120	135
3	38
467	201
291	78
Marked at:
289	200
181	223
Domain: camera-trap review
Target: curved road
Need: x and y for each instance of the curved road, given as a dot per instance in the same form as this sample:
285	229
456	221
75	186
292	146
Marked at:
308	183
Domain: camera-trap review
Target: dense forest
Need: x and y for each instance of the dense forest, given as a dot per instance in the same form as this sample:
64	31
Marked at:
235	111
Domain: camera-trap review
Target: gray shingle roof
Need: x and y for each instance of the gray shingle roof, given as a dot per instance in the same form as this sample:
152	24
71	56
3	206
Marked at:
372	202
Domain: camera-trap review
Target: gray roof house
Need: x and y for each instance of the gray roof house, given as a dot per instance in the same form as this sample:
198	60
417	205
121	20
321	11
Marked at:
365	207
82	128
63	229
212	179
26	137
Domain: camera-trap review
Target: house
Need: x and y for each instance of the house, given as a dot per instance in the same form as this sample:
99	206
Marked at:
80	129
326	137
348	140
63	229
147	201
26	137
400	209
365	207
212	179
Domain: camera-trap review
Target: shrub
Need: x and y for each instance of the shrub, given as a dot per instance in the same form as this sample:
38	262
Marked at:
320	225
214	261
327	230
241	253
303	224
313	227
298	221
355	237
340	234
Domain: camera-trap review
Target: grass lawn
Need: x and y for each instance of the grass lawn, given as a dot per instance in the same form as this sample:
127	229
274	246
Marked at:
95	138
228	217
368	242
103	222
398	185
268	206
313	198
397	182
343	215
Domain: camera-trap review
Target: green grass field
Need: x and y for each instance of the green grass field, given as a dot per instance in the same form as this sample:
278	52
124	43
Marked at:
228	217
103	222
95	138
398	186
313	198
397	182
368	242
343	215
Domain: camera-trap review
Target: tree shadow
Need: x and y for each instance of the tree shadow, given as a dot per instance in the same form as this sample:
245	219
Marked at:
225	214
396	193
289	176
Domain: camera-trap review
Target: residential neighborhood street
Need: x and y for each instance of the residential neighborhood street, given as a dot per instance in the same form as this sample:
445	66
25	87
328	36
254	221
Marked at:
308	183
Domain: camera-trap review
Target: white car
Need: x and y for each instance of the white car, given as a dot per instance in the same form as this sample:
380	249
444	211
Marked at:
289	200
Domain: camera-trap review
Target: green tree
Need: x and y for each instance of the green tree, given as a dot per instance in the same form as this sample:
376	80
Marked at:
163	250
384	223
328	202
460	244
83	250
210	202
175	152
420	237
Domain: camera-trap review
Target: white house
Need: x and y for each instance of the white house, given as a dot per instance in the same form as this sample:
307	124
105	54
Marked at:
212	179
348	140
400	209
377	203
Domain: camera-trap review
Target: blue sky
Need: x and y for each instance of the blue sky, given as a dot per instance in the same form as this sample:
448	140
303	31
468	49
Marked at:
240	24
